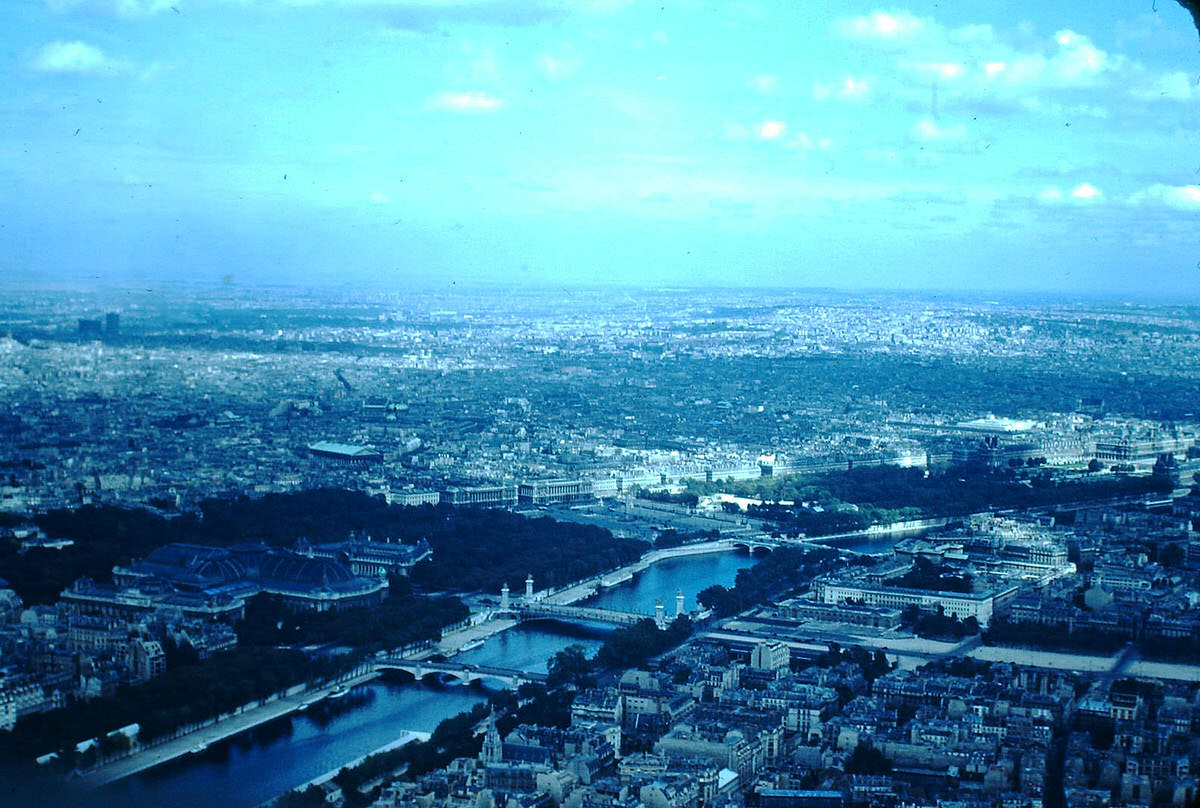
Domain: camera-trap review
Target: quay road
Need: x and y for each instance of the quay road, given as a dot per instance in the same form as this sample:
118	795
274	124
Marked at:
214	732
403	740
154	755
910	651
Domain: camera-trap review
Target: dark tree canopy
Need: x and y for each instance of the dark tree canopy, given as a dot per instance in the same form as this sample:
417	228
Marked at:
474	550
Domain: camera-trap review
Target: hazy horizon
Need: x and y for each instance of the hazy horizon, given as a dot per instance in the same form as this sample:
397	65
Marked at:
106	293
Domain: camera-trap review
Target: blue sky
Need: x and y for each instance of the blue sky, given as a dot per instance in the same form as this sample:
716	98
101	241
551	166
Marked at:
982	145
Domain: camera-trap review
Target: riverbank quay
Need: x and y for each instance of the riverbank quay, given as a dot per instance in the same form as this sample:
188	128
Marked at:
1165	670
408	737
454	641
581	590
218	730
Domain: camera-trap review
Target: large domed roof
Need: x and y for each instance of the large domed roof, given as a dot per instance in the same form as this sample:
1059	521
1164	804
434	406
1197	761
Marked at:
192	564
314	572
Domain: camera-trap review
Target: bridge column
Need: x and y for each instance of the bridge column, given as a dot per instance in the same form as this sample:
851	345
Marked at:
529	587
504	598
660	617
679	603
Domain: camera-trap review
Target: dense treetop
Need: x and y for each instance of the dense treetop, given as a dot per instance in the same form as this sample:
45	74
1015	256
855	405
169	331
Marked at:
473	549
844	501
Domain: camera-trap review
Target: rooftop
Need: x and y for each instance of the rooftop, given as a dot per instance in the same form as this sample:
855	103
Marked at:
330	447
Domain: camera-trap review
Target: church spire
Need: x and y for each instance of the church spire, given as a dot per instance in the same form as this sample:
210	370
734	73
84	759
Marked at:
493	747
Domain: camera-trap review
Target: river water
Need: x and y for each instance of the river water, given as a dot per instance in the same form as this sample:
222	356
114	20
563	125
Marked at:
879	545
272	758
251	768
689	574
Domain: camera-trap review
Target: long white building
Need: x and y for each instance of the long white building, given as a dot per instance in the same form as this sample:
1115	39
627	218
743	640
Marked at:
980	605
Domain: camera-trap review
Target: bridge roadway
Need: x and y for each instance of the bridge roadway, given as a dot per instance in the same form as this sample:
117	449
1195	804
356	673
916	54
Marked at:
466	673
565	612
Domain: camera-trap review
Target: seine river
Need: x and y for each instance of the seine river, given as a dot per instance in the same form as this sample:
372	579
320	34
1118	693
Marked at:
258	765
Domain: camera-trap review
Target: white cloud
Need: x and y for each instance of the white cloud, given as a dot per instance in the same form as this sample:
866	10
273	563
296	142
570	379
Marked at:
1181	197
975	64
559	66
1073	61
763	83
927	129
119	8
882	25
1082	193
466	102
772	129
849	88
1176	86
942	71
153	70
552	67
75	57
1078	60
808	142
378	198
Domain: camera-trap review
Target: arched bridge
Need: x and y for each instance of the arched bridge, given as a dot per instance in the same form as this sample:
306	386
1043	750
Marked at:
754	546
465	673
558	611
